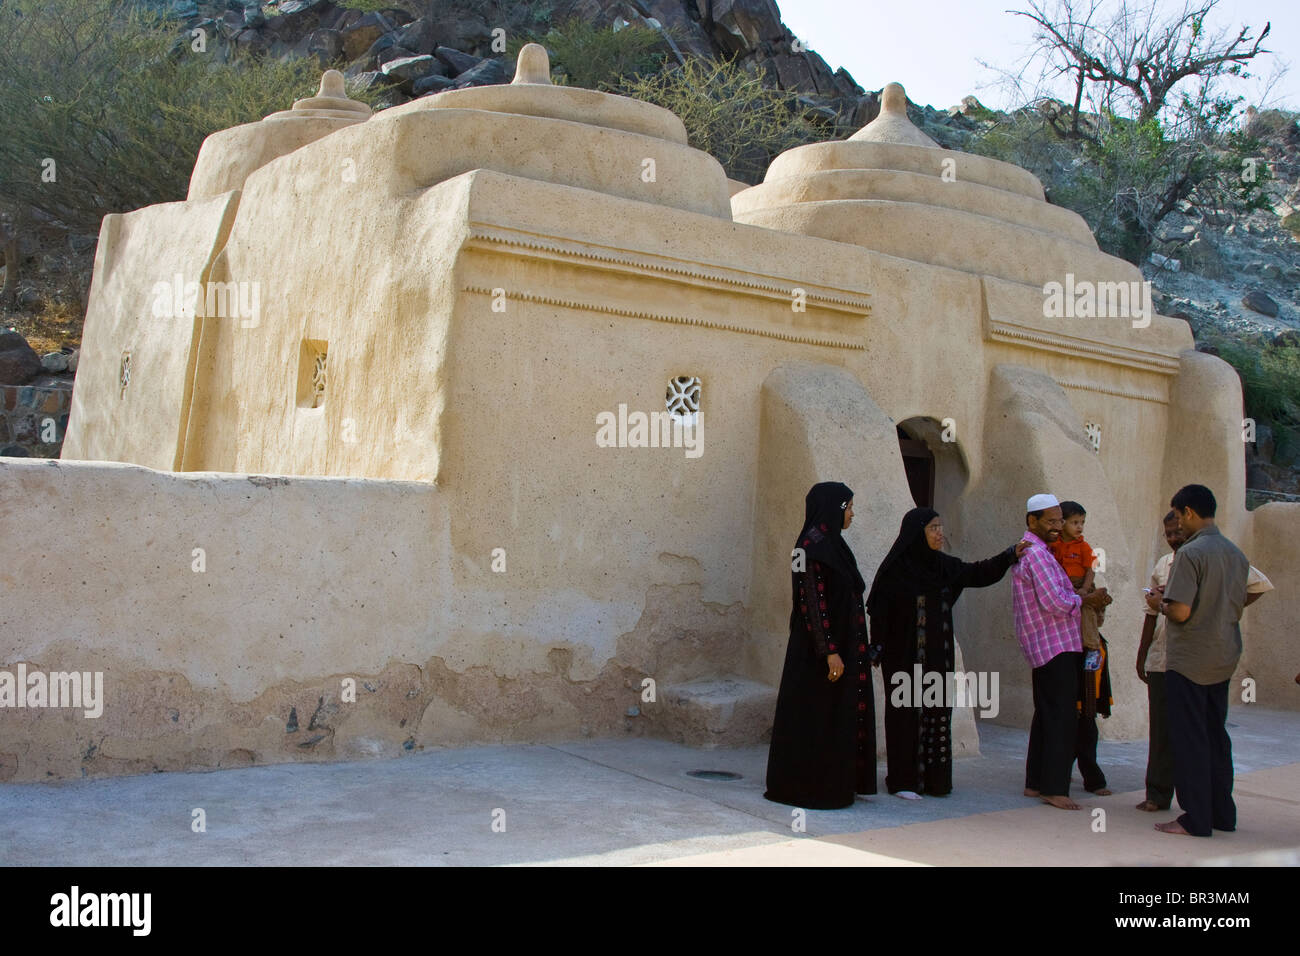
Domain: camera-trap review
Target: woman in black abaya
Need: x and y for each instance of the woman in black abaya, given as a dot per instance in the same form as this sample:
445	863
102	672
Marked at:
823	747
910	606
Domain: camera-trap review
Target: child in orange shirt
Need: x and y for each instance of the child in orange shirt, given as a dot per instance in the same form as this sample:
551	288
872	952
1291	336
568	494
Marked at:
1076	556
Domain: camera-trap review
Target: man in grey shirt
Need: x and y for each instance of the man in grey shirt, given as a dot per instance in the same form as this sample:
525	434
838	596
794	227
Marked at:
1203	602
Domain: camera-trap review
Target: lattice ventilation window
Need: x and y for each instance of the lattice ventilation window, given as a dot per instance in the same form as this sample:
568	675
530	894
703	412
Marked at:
683	398
312	370
1093	431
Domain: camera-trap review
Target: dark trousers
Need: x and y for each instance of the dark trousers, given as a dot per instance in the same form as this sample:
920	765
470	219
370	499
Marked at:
1054	732
1085	751
1160	755
1198	717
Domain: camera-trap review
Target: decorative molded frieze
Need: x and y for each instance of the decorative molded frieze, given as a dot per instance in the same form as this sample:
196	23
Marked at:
1089	349
1118	392
1013	315
840	314
608	308
535	245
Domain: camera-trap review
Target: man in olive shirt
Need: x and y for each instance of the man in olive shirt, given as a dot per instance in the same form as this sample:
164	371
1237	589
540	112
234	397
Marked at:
1203	602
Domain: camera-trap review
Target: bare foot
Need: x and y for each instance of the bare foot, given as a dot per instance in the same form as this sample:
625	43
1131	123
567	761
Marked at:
1173	826
1032	793
1103	792
1150	806
1061	803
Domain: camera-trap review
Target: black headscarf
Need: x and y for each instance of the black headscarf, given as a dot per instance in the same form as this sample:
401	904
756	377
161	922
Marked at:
823	520
911	566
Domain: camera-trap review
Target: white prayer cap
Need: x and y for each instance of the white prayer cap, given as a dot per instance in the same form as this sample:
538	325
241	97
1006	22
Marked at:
1041	503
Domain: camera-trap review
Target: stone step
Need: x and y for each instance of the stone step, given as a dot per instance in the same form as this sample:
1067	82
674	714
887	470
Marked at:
727	711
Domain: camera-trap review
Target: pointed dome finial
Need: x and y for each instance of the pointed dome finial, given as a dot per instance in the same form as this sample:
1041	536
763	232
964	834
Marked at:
893	99
331	96
892	125
533	65
331	84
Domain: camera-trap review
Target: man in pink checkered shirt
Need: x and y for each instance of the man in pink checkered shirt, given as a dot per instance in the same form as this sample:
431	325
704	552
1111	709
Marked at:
1047	626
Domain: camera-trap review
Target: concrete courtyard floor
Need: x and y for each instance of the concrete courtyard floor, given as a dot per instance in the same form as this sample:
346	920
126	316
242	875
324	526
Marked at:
630	801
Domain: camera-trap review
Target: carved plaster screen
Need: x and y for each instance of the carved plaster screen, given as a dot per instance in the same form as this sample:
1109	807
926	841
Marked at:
311	373
683	397
1093	431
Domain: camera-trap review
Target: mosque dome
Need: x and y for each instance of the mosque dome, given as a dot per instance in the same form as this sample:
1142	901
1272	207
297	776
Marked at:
570	136
228	157
891	188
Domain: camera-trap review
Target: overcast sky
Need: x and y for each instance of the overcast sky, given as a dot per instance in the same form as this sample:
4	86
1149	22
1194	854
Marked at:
932	46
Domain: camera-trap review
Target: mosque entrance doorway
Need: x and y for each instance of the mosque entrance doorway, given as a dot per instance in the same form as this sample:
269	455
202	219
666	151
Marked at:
936	469
918	463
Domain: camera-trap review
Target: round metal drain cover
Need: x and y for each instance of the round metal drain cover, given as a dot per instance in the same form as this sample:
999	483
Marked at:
713	774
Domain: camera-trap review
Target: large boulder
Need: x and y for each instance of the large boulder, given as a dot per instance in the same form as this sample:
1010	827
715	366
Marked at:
487	73
408	69
687	33
391	54
458	29
1203	257
846	84
419	35
1258	301
433	83
231	22
296	17
19	363
361	35
325	45
456	61
55	361
740	26
793	71
371	80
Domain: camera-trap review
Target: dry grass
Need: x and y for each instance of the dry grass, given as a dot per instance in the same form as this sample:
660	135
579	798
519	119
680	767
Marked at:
58	323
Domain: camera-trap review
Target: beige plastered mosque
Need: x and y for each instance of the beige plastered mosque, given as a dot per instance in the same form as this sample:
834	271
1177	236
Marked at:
489	417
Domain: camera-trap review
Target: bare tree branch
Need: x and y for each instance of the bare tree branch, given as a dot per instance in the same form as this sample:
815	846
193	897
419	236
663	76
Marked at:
1135	51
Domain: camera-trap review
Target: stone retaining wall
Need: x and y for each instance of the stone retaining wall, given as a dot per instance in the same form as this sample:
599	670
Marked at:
30	414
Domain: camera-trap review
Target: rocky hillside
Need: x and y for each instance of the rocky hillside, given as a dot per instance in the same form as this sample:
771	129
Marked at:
1223	273
456	44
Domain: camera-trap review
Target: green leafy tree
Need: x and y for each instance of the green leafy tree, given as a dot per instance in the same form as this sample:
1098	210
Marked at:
729	113
1134	175
1270	385
104	105
597	58
1164	136
1133	54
